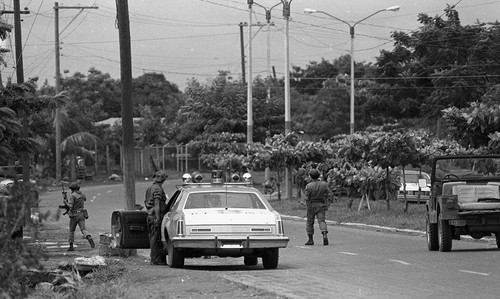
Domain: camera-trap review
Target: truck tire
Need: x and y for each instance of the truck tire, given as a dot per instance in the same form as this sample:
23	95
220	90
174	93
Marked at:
445	235
497	236
250	260
270	258
431	231
175	257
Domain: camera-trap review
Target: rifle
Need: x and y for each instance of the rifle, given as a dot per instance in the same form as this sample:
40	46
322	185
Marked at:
65	206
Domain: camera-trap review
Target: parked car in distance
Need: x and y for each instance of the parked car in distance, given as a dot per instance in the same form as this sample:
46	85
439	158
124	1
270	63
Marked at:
217	218
412	187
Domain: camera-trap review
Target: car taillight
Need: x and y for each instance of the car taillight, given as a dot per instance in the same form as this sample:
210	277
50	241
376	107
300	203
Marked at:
180	228
281	229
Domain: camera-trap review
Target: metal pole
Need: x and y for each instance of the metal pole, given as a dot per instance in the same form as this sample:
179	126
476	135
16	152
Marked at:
242	54
288	121
268	67
352	80
351	29
249	79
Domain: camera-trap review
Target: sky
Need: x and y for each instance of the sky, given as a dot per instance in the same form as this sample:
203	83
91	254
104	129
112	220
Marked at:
185	39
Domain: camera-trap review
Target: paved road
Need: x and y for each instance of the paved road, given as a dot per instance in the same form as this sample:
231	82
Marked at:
359	263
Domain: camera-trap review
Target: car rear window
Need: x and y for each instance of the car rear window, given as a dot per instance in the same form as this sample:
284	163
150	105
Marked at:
207	200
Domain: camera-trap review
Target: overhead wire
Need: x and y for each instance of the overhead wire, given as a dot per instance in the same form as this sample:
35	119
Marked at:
159	21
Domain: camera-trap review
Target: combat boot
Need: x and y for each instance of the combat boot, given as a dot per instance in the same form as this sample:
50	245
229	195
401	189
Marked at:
310	241
71	247
92	244
325	238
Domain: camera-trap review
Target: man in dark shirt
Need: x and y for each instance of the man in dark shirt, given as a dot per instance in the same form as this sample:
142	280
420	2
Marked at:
77	214
156	203
317	196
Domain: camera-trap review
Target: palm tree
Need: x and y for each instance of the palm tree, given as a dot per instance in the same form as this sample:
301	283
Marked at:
74	145
76	142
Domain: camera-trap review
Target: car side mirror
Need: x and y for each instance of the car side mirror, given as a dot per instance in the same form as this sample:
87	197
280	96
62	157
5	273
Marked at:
422	183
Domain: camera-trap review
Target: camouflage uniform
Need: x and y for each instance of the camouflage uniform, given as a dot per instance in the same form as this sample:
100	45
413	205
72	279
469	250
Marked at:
317	195
156	203
76	215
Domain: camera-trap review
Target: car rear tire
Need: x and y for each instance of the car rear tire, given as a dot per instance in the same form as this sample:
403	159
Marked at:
250	260
445	235
270	258
497	236
431	230
175	257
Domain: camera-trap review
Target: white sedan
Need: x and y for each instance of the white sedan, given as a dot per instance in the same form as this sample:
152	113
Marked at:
412	188
212	219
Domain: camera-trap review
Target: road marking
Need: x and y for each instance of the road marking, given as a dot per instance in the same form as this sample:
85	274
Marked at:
474	272
348	253
305	247
401	262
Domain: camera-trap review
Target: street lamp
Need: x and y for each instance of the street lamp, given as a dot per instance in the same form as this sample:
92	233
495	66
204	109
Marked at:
351	30
268	19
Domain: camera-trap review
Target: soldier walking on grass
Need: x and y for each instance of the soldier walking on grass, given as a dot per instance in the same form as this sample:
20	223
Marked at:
77	214
317	199
156	204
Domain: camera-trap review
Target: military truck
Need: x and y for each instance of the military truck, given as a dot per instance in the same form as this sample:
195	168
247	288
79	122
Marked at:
464	199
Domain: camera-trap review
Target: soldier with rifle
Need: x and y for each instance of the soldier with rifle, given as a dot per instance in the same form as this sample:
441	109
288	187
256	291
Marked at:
75	208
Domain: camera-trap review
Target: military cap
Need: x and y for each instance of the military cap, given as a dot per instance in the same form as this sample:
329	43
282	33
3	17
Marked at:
74	186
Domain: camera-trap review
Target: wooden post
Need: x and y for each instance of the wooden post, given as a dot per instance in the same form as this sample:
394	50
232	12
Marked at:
364	197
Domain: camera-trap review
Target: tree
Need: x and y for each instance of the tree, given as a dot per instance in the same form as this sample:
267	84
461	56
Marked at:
442	64
221	106
93	97
390	151
16	137
473	125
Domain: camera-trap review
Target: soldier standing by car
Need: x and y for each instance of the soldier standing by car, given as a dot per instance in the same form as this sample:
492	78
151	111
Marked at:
77	214
317	199
156	204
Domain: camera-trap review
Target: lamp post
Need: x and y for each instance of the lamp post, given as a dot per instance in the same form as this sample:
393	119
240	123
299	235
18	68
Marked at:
351	31
250	79
268	19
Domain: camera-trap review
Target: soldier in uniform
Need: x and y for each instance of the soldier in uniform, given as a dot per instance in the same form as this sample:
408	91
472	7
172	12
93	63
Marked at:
77	214
317	196
156	204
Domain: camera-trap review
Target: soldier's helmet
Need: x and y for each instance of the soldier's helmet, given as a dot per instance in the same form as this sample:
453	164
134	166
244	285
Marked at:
160	176
314	174
74	186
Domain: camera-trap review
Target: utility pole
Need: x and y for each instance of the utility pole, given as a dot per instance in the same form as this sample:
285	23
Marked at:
127	102
58	83
288	121
250	78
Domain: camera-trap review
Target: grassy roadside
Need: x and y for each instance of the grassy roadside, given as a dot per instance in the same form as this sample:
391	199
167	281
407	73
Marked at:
378	214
